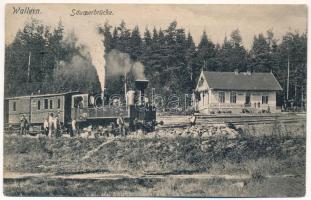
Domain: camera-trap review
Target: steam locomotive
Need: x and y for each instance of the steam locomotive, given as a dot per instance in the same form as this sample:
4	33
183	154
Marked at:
86	109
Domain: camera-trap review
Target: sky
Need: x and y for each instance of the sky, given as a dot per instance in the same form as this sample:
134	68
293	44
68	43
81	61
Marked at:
216	20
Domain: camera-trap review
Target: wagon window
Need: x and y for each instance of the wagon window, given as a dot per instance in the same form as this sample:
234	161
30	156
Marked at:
58	103
14	106
39	105
46	103
51	104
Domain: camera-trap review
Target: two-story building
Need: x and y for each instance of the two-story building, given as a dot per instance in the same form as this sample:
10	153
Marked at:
236	91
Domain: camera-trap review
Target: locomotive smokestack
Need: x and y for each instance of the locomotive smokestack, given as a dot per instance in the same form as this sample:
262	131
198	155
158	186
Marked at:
141	85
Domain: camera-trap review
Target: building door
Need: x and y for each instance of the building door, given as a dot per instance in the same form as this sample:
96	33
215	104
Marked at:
247	98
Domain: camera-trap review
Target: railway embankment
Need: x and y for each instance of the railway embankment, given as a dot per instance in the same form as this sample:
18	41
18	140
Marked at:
168	150
273	154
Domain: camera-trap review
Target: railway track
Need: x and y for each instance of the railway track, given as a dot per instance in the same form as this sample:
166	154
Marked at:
238	120
176	121
179	121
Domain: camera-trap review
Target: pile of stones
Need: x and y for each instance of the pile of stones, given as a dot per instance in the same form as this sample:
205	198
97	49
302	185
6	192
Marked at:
198	131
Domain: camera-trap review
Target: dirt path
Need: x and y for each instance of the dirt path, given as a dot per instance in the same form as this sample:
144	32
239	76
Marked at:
21	175
95	176
90	153
116	176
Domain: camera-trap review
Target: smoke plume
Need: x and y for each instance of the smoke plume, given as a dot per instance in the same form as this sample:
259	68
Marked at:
90	45
94	45
77	74
119	64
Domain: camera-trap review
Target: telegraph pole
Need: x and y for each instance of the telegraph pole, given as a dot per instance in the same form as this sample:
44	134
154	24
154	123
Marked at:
287	95
302	100
28	69
125	89
152	95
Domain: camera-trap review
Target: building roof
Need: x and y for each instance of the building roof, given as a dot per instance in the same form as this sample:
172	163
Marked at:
42	95
242	81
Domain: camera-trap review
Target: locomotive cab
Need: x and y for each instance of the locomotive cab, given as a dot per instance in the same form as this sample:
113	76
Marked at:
79	100
90	110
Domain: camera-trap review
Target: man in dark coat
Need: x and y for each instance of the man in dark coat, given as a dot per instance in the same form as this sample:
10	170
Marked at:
24	124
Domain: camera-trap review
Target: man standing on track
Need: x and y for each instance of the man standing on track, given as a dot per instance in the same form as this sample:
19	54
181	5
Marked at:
121	124
46	126
23	126
51	124
74	127
193	120
57	125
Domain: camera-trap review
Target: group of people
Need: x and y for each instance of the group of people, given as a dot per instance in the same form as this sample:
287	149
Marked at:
52	125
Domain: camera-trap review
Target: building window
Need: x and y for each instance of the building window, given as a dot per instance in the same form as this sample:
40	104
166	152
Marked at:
233	97
221	97
264	100
203	95
46	103
201	81
51	104
39	105
58	103
14	106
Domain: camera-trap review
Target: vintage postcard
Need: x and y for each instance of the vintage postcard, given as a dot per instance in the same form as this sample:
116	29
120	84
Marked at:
155	100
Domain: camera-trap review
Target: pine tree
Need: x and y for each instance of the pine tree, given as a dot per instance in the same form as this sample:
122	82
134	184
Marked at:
261	54
232	55
135	44
190	58
206	53
155	35
108	41
293	52
46	55
147	37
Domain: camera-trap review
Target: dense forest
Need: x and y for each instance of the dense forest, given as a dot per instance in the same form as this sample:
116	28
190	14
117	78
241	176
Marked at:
42	58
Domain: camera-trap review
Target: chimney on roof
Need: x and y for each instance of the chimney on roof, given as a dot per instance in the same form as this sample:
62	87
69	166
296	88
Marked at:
236	71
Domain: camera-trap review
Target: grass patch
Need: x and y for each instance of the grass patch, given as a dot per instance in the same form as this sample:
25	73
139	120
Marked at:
257	156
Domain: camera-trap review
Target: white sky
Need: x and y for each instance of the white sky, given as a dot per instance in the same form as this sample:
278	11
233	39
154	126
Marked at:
217	20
